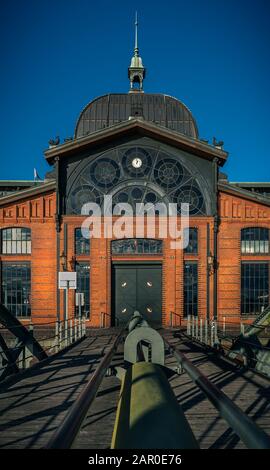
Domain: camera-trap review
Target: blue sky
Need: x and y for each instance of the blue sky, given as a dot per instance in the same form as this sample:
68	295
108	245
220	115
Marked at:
57	55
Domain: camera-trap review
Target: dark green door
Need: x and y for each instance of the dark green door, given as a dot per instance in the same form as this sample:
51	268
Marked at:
137	287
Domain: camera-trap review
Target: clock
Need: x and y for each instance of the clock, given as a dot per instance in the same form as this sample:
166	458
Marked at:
136	162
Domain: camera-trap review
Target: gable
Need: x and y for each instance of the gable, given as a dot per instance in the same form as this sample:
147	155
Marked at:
167	174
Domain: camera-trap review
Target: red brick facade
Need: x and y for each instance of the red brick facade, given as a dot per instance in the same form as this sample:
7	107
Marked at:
38	213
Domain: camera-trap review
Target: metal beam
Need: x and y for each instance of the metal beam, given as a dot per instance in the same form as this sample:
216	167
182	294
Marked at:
22	334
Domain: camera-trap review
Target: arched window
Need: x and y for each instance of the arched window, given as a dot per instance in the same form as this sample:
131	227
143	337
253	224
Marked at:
16	241
134	246
135	174
254	240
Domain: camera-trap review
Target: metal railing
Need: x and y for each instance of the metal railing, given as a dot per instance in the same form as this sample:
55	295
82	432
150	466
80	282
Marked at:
248	431
102	320
61	338
67	432
225	335
174	315
258	318
202	330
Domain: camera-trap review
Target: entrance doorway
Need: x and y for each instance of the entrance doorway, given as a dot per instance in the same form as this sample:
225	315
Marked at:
137	287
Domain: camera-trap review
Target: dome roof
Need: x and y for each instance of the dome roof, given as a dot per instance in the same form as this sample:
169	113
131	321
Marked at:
107	110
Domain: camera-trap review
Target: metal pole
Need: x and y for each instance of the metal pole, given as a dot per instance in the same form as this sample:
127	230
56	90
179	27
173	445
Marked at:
66	315
196	328
24	357
206	331
80	327
242	328
80	318
84	326
75	329
201	330
70	332
60	334
216	332
212	333
30	355
56	341
188	325
192	326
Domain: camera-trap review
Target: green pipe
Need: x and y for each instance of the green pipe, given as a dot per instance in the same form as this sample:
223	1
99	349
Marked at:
148	414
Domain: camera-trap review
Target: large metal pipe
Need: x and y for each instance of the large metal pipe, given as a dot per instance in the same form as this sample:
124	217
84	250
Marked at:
148	414
68	430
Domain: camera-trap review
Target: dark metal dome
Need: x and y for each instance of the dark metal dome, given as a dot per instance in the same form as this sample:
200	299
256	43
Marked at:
111	109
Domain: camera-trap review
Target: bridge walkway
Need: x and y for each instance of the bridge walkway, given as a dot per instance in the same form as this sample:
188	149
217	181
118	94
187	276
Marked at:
33	407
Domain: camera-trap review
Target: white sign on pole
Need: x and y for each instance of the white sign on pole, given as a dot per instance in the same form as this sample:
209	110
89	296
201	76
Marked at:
79	299
67	280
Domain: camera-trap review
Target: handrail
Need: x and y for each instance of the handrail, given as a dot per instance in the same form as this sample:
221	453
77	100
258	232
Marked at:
102	319
176	315
67	432
259	317
30	324
17	355
252	436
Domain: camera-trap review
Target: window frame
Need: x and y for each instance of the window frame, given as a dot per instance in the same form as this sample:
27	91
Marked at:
185	311
27	241
137	253
253	262
193	253
80	263
28	265
87	253
254	241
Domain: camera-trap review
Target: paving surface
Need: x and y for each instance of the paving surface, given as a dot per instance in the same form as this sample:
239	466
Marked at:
32	408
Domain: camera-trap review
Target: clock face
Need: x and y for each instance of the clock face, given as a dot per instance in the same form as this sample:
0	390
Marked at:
136	162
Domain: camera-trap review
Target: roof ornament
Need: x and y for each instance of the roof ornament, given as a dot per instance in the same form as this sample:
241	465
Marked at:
136	71
218	144
54	142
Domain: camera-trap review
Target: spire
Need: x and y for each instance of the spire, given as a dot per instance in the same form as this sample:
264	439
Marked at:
136	71
136	49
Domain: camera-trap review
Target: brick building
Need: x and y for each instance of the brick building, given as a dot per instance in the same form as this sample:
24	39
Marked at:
135	147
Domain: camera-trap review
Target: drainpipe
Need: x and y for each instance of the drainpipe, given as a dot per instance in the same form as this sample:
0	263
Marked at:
208	273
216	227
58	228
